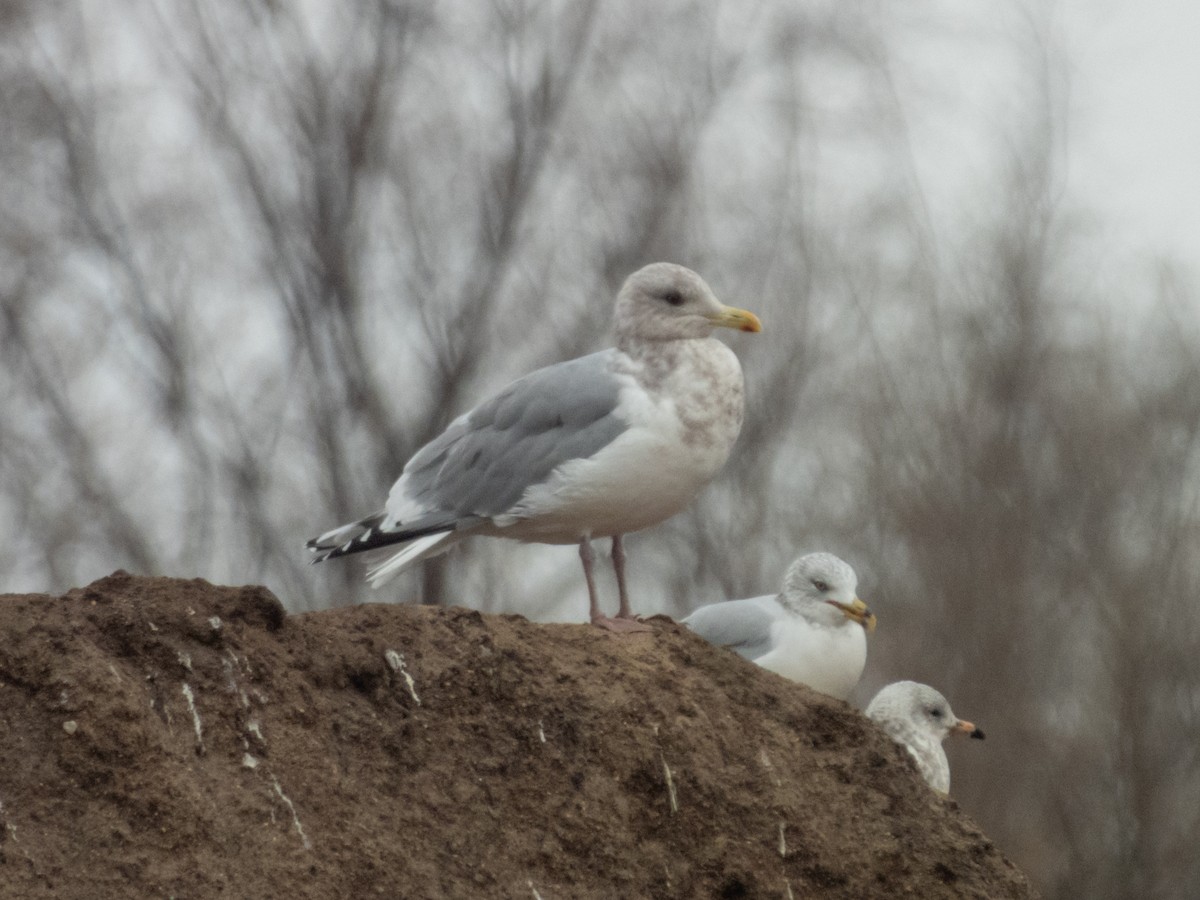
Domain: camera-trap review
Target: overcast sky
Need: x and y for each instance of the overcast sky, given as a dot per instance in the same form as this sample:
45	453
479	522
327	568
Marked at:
1124	78
1135	107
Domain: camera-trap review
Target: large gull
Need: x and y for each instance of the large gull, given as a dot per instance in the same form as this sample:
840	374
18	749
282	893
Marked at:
598	446
813	631
918	717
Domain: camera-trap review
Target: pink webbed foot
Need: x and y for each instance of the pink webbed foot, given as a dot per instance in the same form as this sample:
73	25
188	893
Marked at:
619	625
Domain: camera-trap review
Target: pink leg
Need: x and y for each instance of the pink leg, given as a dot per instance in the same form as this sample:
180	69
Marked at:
587	556
624	623
618	557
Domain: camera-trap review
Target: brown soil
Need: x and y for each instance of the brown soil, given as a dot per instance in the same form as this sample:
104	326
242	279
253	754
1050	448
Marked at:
167	738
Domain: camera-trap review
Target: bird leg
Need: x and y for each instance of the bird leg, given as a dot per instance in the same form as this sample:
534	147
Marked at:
618	558
587	556
624	623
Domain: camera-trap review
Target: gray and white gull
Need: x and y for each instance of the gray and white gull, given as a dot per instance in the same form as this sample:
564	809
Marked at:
595	447
813	631
917	716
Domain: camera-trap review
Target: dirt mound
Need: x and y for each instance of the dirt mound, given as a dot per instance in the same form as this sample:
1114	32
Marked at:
166	738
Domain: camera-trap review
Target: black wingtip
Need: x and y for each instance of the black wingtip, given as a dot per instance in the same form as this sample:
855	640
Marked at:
373	536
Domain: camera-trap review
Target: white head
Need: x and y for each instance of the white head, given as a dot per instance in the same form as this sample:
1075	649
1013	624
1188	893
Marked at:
666	302
821	588
919	717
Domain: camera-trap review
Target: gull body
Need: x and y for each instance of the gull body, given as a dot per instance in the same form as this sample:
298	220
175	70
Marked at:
598	446
813	631
917	716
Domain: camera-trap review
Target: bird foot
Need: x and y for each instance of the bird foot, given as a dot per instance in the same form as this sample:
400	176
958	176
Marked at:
620	625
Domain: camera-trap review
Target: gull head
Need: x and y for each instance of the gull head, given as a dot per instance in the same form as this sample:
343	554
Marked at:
918	717
666	302
821	588
920	707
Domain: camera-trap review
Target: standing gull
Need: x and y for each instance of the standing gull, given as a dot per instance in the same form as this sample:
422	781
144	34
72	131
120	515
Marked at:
918	717
598	446
813	631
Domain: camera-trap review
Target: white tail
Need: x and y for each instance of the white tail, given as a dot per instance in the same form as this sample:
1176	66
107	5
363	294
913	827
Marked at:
410	554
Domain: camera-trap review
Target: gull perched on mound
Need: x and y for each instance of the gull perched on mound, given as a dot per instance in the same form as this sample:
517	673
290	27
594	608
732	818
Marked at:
918	717
598	446
814	631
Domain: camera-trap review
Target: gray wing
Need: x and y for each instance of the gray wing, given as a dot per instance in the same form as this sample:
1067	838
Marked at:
743	626
483	463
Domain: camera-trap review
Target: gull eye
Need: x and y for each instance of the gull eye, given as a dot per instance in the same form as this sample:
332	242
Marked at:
673	297
820	585
935	712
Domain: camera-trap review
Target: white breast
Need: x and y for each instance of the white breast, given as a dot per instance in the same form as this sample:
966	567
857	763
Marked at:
930	759
682	426
829	660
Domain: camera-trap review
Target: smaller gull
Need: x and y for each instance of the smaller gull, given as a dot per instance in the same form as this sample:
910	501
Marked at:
814	631
918	717
594	447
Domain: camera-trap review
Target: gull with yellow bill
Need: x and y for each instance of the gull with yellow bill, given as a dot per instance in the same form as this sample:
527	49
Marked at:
595	447
813	631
